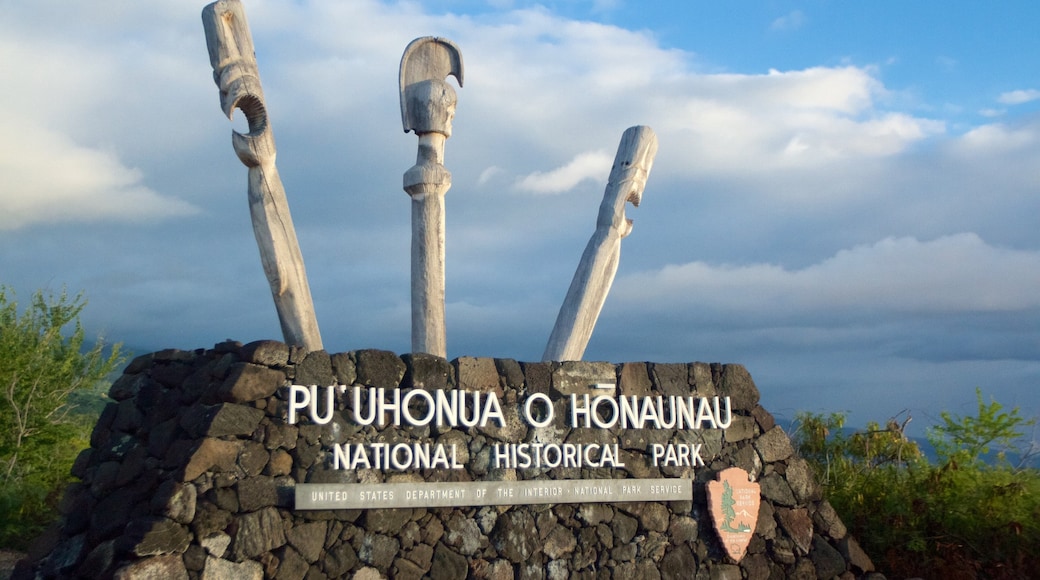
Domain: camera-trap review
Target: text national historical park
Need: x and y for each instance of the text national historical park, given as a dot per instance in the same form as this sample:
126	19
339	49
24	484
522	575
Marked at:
195	469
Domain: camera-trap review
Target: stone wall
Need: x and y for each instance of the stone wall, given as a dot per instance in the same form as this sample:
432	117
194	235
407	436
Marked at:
192	467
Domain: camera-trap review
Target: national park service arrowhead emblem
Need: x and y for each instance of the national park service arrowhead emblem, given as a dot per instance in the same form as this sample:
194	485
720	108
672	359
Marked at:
733	501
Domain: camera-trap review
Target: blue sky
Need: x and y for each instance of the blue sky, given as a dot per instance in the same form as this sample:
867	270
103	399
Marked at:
845	198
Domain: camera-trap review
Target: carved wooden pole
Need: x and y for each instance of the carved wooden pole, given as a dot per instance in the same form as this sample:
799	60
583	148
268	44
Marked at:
238	78
595	273
427	107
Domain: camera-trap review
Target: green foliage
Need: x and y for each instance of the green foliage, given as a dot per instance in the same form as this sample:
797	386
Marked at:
845	460
958	518
971	439
40	431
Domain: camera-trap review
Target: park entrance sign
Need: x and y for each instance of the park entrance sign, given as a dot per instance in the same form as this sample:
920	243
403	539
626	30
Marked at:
281	460
462	409
209	463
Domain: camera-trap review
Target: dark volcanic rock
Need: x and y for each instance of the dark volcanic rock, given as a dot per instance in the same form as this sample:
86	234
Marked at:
798	525
828	561
426	371
166	567
308	539
678	564
248	382
774	445
379	368
736	383
156	536
447	565
315	369
193	468
268	353
513	539
225	419
258	532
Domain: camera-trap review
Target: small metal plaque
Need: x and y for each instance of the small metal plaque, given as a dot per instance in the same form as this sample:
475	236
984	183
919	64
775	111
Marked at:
329	496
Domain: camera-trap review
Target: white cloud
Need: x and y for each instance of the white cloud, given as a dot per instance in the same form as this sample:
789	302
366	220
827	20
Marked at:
488	174
722	124
108	108
995	138
791	21
79	105
1019	97
957	273
593	165
47	178
555	86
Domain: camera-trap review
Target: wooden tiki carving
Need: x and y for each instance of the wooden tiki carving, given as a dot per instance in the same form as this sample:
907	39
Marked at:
238	79
599	263
427	108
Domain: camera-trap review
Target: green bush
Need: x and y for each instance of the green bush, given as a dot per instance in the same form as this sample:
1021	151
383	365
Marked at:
972	440
40	431
960	517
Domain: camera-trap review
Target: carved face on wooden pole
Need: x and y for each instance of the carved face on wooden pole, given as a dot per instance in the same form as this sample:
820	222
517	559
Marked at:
599	263
235	70
431	105
428	107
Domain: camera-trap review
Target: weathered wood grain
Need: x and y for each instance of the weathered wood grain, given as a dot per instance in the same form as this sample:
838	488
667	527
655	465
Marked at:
599	263
427	108
238	78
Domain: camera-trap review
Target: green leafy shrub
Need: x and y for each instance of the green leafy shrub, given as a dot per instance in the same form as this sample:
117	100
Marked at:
40	431
970	440
960	517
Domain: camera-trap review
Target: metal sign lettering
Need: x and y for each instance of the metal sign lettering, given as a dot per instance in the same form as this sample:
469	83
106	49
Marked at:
327	496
